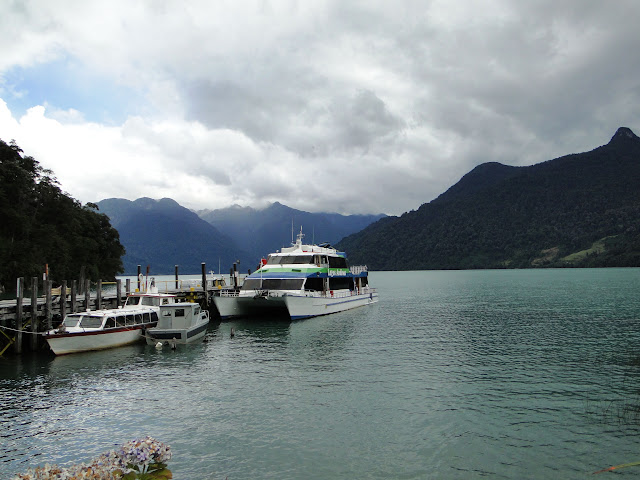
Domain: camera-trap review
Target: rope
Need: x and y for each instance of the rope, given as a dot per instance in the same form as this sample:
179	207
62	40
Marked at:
23	331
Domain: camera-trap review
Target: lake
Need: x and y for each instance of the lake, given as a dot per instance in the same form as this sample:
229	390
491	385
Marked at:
451	375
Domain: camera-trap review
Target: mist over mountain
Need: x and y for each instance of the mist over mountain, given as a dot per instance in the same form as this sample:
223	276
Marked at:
580	210
162	234
262	231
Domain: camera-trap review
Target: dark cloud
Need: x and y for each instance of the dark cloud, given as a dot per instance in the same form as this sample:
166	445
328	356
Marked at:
317	105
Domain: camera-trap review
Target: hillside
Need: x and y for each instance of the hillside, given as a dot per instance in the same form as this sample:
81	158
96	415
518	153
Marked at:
162	234
577	210
41	225
260	232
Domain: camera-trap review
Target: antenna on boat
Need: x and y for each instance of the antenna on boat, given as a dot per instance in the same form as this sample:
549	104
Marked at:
291	230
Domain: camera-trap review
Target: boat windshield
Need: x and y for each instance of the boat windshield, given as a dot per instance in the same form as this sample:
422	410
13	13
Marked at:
91	321
272	284
71	320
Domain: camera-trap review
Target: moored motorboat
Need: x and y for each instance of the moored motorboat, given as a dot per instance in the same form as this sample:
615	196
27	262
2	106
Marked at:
100	329
300	281
108	328
179	323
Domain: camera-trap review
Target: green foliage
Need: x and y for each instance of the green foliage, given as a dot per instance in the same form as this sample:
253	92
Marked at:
506	217
42	225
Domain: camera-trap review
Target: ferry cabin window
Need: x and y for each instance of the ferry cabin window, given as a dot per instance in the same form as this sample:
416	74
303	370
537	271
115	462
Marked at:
290	259
179	312
338	283
154	317
337	262
110	323
314	284
166	313
272	284
89	321
71	320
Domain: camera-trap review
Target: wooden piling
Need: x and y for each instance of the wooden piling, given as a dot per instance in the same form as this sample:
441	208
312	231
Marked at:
139	273
87	295
204	284
118	292
48	304
19	293
81	283
63	299
74	290
176	269
127	286
34	312
99	295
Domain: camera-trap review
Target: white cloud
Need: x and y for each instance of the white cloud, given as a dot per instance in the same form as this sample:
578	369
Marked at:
358	107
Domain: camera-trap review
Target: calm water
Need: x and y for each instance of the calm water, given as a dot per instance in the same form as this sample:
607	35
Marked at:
499	374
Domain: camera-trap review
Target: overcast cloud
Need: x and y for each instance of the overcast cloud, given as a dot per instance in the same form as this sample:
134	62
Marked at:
345	106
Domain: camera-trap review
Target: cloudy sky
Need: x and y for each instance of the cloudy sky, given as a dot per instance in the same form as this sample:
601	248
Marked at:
343	106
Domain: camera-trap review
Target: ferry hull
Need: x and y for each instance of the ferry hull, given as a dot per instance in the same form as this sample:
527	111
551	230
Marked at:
294	305
305	306
245	306
62	344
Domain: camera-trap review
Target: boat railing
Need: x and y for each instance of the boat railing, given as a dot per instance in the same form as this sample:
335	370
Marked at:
338	293
358	269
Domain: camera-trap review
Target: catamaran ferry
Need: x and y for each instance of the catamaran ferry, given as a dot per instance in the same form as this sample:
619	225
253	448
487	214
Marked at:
300	281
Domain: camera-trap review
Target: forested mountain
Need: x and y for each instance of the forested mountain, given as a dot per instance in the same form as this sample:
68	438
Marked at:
42	225
260	232
162	234
577	210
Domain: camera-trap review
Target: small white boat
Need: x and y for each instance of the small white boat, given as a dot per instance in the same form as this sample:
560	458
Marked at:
179	323
108	328
100	329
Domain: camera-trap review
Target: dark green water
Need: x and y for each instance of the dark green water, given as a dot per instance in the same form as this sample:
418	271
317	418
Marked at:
452	375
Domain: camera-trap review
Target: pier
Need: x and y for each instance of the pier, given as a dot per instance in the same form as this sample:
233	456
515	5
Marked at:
25	318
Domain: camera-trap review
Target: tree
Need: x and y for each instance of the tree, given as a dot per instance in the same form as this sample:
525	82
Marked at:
43	225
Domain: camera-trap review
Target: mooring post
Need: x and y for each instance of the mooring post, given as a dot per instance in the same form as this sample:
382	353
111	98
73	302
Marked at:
82	279
204	284
34	312
63	300
74	290
87	295
235	274
118	292
127	287
176	267
99	295
19	289
48	303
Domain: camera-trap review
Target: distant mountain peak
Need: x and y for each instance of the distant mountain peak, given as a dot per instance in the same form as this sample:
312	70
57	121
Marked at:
623	134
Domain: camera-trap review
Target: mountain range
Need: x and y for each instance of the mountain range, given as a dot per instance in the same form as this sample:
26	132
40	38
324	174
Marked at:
262	231
579	210
162	233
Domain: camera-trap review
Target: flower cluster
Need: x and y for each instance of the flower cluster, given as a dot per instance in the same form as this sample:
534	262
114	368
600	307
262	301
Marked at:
141	458
141	453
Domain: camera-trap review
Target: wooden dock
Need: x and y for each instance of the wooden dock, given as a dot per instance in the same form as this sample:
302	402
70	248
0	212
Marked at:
27	317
